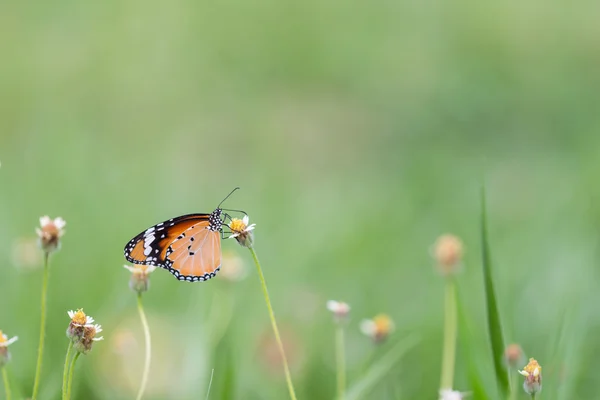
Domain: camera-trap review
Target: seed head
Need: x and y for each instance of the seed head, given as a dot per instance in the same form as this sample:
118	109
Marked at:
448	251
50	232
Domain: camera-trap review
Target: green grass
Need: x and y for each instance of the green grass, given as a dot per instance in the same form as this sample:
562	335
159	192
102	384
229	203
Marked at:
356	133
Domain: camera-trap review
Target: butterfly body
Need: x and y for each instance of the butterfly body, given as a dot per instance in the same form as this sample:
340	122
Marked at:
188	246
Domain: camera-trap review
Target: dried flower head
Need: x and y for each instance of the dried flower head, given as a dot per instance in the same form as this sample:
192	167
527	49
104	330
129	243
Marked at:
79	321
139	282
449	394
50	232
513	355
448	251
533	377
339	309
84	345
4	353
241	231
378	328
233	268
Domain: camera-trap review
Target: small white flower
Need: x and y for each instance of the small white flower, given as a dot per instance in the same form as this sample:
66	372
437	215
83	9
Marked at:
5	341
238	227
338	308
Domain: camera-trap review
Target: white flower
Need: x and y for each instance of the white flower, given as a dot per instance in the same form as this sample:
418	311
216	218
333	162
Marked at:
240	226
338	308
50	232
5	341
449	394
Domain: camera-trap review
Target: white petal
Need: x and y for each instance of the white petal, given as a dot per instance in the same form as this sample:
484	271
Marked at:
234	235
71	314
536	372
89	320
59	222
524	373
251	227
129	267
246	219
9	341
333	305
97	339
368	327
45	220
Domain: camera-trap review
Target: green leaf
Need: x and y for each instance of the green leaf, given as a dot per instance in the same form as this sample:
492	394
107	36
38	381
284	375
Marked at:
381	368
493	315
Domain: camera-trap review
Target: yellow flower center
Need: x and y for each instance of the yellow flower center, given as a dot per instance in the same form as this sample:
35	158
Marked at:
532	366
237	225
79	317
2	337
383	324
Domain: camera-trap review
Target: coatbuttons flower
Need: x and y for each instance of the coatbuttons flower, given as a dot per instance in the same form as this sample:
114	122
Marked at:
533	377
448	251
50	232
139	281
4	353
79	321
339	309
378	328
241	231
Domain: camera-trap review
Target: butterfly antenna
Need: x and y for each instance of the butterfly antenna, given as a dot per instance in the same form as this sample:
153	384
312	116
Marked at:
230	193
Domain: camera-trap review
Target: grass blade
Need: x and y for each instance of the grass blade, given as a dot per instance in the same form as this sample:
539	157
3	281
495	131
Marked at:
493	315
380	369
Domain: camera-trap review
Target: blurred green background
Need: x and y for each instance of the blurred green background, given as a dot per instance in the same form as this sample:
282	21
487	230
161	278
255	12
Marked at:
358	131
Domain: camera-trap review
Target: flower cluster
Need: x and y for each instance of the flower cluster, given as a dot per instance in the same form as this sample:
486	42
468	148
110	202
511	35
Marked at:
533	377
139	281
82	331
4	353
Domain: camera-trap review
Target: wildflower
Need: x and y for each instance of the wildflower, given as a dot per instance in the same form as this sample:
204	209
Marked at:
241	231
448	251
449	394
513	355
233	268
378	328
139	277
77	326
533	377
4	353
50	233
339	309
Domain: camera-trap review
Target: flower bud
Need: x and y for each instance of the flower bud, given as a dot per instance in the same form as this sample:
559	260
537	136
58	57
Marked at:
448	251
50	232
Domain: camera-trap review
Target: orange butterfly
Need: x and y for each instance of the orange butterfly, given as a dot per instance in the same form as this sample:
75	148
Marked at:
188	246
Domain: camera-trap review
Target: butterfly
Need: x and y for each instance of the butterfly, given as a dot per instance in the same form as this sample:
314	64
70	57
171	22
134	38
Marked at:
188	246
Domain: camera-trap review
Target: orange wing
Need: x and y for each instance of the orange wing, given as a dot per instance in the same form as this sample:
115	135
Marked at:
196	254
163	245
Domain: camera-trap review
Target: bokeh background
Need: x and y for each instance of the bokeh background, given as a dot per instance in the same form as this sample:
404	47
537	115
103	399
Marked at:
358	133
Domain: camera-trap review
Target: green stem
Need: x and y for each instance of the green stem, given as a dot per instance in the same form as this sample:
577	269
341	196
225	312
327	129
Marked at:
66	369
288	376
6	383
450	331
71	371
340	361
148	348
38	368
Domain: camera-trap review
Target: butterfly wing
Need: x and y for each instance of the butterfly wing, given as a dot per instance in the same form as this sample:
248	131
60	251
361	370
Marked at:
188	246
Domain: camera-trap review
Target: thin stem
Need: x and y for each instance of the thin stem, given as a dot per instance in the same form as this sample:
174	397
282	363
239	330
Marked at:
148	347
66	370
38	368
6	383
340	360
288	376
450	331
71	371
210	383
